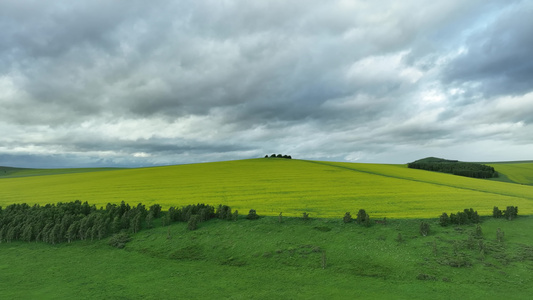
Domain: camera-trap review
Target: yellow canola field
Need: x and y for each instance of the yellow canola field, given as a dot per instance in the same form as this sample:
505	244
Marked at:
518	172
271	186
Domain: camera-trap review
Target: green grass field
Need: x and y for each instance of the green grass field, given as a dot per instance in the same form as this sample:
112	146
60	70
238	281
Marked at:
323	189
265	259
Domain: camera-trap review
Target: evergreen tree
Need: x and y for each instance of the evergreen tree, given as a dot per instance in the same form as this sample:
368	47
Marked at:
193	222
496	213
252	215
150	219
511	212
361	216
347	218
155	210
444	220
72	232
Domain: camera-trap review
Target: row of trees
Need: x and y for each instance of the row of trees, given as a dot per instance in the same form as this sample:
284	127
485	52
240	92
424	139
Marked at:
66	222
362	218
278	156
454	167
469	216
70	221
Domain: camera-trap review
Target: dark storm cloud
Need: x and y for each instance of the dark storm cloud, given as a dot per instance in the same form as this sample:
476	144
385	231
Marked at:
498	57
138	83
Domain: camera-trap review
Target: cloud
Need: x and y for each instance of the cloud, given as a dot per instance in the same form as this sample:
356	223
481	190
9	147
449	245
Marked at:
136	83
496	60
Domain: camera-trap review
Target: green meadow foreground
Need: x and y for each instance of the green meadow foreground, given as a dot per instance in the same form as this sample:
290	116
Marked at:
295	258
265	259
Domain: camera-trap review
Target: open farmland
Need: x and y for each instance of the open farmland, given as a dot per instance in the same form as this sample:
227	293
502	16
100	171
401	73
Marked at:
520	172
322	257
323	189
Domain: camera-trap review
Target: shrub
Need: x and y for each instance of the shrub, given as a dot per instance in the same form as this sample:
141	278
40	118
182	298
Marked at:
366	222
511	212
252	215
444	220
496	213
361	216
424	228
499	235
192	224
119	240
305	216
347	218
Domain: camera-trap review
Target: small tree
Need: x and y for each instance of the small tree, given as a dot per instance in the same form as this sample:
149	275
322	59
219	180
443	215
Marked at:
252	215
499	235
453	219
361	216
280	217
424	228
366	222
155	210
193	222
475	217
511	212
496	213
305	216
119	240
149	219
235	216
444	220
347	218
479	232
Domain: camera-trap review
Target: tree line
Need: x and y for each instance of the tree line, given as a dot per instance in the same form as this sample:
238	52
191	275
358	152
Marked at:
454	167
67	222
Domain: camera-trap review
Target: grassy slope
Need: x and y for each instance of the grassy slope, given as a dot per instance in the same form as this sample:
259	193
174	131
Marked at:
272	185
264	259
521	173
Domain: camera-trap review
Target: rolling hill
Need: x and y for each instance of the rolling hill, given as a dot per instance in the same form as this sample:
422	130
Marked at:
323	189
515	172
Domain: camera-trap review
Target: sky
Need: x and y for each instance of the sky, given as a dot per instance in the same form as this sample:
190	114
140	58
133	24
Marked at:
131	83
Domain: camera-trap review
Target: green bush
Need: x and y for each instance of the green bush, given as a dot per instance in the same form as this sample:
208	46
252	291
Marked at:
252	215
119	240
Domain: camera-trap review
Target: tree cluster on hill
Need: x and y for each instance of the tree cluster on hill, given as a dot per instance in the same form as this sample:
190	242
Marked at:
278	156
454	167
